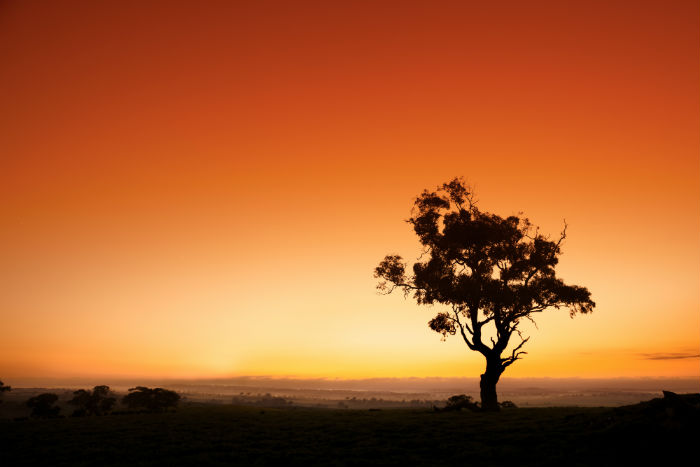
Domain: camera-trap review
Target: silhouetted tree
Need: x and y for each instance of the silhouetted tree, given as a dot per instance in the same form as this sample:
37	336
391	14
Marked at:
487	269
4	388
99	401
43	405
153	400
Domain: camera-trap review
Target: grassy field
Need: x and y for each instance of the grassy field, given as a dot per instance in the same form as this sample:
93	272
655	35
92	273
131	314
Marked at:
235	435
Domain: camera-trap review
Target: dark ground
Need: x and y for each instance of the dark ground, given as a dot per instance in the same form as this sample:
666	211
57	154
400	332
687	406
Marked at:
659	431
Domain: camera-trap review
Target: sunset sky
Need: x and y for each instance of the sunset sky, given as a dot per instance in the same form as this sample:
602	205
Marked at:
203	189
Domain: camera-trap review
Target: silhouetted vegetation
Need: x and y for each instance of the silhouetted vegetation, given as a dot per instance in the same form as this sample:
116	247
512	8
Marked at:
459	402
153	400
4	388
462	401
487	270
43	405
508	405
99	401
663	431
266	400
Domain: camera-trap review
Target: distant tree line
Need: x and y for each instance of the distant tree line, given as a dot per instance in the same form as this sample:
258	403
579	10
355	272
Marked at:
266	400
101	400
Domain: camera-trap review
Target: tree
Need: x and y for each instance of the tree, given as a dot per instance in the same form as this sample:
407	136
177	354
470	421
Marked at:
99	401
4	388
492	273
153	400
43	405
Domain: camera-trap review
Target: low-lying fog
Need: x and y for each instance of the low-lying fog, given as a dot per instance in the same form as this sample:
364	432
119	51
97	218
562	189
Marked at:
380	392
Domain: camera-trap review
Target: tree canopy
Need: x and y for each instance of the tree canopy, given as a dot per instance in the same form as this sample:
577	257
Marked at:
99	401
43	405
153	400
4	388
487	270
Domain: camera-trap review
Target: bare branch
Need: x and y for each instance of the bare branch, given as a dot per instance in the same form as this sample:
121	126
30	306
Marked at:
532	321
516	353
562	236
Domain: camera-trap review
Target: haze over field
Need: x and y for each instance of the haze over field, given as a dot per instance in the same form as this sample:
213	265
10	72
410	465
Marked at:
375	392
202	191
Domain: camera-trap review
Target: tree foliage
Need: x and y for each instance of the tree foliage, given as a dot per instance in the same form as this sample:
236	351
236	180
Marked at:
487	269
153	400
43	405
99	401
4	388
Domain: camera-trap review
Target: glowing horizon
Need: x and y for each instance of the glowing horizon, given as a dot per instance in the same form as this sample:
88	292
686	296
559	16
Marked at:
200	191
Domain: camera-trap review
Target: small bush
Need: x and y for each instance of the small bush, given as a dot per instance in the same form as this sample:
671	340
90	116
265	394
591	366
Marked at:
461	401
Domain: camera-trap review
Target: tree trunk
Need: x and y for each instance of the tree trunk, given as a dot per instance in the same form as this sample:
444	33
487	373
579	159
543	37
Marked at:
489	398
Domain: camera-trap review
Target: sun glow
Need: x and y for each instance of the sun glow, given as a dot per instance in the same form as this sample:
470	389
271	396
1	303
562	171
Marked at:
214	202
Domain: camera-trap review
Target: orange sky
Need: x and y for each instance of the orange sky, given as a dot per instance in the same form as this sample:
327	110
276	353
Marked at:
204	188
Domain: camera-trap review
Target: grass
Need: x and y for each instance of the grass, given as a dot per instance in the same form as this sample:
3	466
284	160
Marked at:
235	435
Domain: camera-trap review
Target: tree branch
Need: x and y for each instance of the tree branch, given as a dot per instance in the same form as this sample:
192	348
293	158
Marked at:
563	234
480	324
461	328
515	355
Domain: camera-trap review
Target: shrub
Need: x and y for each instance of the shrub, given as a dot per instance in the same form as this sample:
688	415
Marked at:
461	401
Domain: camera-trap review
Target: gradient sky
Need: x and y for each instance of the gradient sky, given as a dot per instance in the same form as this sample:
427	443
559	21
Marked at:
204	188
